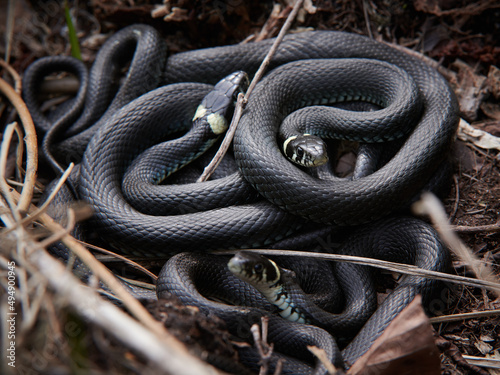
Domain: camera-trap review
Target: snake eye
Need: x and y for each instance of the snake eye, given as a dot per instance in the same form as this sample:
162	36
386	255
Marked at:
300	152
258	268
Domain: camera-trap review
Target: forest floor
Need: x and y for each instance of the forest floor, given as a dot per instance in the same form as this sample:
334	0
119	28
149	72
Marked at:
461	36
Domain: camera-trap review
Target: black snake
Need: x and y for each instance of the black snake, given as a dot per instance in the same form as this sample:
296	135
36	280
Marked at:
107	134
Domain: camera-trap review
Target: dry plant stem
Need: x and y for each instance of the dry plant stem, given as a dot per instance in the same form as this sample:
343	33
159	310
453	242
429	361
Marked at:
156	345
4	186
431	206
150	338
321	355
10	28
483	362
19	154
367	19
452	351
391	266
33	216
31	144
464	316
102	273
265	350
228	138
480	228
15	76
137	266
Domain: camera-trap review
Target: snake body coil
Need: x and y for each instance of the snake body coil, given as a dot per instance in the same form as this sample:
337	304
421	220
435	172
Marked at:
267	198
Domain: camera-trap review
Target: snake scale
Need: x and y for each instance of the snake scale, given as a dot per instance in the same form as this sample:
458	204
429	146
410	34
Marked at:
266	198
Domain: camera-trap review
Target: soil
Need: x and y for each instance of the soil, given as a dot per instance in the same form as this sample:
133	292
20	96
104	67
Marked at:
445	30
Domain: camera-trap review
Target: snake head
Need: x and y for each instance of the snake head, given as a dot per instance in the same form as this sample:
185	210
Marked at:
216	105
254	269
306	150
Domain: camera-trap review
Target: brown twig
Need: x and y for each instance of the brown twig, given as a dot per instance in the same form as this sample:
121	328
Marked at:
31	144
321	355
265	350
390	266
479	228
457	197
15	76
122	258
430	205
452	351
33	216
241	102
4	186
464	316
155	343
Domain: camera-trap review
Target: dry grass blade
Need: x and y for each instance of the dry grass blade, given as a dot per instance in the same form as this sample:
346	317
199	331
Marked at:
321	355
483	362
147	337
31	144
9	28
4	186
228	138
431	206
130	262
464	316
390	266
15	76
33	216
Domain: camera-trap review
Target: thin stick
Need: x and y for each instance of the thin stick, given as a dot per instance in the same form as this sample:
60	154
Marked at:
10	28
15	76
430	205
32	217
122	258
4	186
367	19
492	363
265	350
31	144
155	342
241	102
321	355
464	316
480	228
391	266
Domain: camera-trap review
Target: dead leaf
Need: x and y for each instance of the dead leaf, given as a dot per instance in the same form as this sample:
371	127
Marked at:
405	347
480	138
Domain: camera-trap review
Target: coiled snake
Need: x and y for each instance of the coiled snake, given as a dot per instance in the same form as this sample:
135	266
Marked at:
309	68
